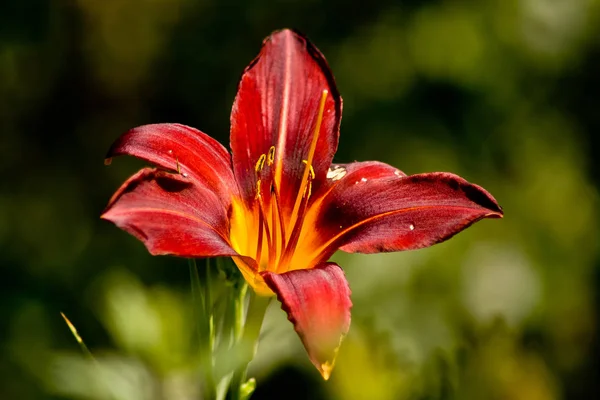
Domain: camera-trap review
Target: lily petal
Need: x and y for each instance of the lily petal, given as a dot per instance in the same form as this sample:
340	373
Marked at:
317	302
277	104
171	214
181	148
376	208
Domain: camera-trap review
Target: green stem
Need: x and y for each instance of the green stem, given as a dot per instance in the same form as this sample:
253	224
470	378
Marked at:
208	304
203	313
247	341
238	313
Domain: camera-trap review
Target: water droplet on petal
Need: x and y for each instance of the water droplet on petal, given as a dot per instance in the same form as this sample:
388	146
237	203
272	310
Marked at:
363	180
397	172
411	227
185	175
170	151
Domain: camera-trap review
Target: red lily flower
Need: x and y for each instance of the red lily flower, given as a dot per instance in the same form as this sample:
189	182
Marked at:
278	206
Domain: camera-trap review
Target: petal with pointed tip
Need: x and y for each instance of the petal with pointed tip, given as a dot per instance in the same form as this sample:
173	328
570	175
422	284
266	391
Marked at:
277	105
171	214
375	208
317	302
177	147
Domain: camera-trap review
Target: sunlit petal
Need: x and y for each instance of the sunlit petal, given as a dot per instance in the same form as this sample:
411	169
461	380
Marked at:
317	302
376	208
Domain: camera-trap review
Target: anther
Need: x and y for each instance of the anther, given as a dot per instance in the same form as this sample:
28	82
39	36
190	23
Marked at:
260	163
311	169
271	156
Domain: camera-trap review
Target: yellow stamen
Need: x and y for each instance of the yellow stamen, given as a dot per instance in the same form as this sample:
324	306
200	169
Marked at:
274	227
311	154
284	261
269	235
257	196
259	241
271	156
308	190
260	163
275	196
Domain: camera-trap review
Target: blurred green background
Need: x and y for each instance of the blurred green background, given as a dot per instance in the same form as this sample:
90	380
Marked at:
502	92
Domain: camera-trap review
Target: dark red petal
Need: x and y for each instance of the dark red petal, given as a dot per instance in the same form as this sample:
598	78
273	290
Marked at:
277	105
317	302
171	214
375	208
178	147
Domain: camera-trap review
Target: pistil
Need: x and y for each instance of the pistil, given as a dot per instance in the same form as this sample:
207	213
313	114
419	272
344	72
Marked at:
309	159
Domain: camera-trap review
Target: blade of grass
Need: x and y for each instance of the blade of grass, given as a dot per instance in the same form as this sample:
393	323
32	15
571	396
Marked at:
78	338
86	351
